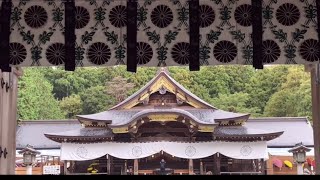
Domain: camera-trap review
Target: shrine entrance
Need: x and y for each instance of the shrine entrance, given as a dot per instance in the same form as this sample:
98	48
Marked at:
173	165
50	33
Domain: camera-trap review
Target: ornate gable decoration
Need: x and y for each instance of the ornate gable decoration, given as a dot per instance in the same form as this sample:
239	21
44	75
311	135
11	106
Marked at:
163	85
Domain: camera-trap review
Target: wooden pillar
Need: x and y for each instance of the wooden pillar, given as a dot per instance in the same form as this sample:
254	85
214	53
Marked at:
257	163
263	166
1	99
1	89
135	167
65	170
125	167
8	119
201	168
72	166
191	167
216	164
16	73
111	165
5	113
108	165
269	166
315	92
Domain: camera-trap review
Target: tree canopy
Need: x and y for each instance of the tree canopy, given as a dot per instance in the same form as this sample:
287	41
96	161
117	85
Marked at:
52	93
36	98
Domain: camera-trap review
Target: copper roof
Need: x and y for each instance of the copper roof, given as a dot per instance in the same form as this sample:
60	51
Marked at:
79	134
117	116
296	130
122	117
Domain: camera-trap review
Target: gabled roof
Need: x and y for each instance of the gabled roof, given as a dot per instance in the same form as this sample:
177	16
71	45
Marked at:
296	130
32	132
144	89
123	113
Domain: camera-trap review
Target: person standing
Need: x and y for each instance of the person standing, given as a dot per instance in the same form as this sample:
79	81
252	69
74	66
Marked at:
162	167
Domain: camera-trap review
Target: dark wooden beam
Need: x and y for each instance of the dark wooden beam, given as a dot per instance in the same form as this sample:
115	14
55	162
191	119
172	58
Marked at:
70	35
108	164
163	130
132	8
194	34
5	15
263	166
216	164
315	93
257	33
154	139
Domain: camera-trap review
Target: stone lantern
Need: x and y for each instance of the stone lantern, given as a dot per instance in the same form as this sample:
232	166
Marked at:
299	156
29	157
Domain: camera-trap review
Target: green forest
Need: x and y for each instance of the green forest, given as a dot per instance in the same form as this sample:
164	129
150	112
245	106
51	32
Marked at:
275	91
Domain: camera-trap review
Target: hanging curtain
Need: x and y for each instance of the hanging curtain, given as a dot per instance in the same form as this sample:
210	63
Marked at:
236	150
226	29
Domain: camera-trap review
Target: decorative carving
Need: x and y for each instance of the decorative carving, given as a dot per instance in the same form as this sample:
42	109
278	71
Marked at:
180	101
146	101
206	128
162	90
163	117
2	83
120	130
1	151
5	152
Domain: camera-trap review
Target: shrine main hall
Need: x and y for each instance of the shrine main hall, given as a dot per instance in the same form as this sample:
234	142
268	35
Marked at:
163	120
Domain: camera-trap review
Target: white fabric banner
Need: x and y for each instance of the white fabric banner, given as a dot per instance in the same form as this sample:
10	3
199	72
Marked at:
236	150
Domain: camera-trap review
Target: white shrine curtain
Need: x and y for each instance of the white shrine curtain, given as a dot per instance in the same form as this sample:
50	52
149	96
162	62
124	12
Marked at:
237	150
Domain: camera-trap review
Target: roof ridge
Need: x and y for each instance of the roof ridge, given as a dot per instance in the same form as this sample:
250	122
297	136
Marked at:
47	121
278	118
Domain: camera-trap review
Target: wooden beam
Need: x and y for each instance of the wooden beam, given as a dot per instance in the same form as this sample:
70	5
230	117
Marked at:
163	130
125	167
1	105
15	74
216	164
70	35
132	6
171	138
201	168
315	93
108	165
4	131
65	168
263	166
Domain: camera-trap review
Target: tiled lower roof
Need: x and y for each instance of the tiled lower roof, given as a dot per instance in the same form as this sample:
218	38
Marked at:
296	130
